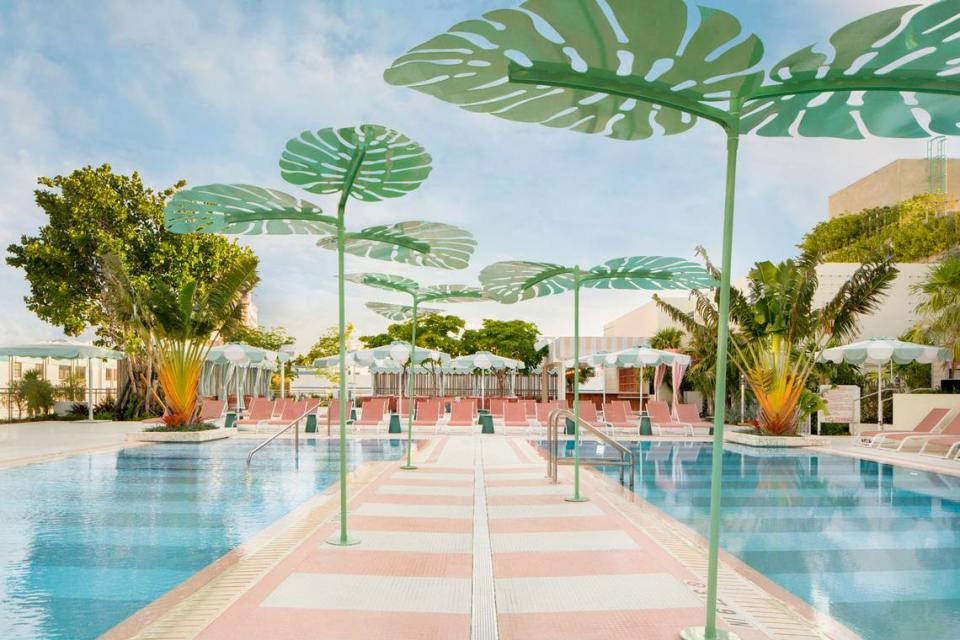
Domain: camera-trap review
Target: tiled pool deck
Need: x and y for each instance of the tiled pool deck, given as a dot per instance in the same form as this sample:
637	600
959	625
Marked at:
477	544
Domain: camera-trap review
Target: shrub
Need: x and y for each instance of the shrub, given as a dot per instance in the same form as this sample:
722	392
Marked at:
38	393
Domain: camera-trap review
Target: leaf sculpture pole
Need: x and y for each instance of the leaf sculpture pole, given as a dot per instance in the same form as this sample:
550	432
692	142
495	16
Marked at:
418	294
511	282
369	163
628	70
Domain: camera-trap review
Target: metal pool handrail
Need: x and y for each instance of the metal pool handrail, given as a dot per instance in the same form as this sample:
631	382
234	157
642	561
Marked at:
553	446
296	436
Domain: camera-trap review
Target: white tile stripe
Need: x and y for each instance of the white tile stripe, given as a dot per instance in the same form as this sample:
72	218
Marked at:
483	622
593	593
426	475
420	490
412	541
545	490
614	540
390	510
371	593
559	510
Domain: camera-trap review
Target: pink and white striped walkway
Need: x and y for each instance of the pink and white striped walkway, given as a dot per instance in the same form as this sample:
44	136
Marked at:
475	544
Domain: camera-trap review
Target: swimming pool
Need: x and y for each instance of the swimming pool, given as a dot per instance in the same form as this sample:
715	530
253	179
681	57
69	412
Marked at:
874	545
87	541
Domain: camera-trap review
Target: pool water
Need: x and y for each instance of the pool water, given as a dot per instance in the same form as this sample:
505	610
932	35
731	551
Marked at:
875	546
87	541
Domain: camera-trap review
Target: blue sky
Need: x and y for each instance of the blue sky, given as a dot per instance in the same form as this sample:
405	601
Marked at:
210	92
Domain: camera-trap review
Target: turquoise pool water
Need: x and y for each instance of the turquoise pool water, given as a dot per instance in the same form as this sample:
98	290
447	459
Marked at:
874	545
87	541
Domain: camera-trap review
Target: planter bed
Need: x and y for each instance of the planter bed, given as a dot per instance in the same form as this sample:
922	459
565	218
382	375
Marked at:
754	440
180	436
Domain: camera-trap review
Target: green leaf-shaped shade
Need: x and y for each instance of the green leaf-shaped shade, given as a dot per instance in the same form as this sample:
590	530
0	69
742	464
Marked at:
514	281
450	293
429	244
243	209
901	64
398	312
648	272
570	64
372	161
386	281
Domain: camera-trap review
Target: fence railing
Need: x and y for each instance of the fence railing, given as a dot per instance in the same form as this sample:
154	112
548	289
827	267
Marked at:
11	409
428	384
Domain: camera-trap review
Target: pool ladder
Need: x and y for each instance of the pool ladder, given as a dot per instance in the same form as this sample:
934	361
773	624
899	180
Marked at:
559	417
296	437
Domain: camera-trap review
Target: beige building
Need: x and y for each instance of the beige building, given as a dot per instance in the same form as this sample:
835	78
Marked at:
891	184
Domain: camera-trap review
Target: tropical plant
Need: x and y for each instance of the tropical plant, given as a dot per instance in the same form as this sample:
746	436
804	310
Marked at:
177	325
940	309
434	331
38	394
779	330
72	387
270	338
668	338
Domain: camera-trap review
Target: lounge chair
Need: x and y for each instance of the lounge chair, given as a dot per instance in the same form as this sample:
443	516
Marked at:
925	427
689	414
428	414
212	411
529	408
292	410
515	415
260	411
278	406
900	440
616	417
462	414
371	414
950	443
662	423
496	407
588	413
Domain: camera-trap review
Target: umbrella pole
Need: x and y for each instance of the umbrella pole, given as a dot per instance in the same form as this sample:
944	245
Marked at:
411	384
282	382
90	389
710	631
880	397
576	497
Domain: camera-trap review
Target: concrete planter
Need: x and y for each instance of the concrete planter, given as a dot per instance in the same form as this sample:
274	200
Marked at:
186	436
754	440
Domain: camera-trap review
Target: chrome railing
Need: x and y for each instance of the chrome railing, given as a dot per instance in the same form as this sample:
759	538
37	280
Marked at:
296	436
560	416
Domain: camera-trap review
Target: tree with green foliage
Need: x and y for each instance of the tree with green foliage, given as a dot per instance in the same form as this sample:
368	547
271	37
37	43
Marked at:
92	213
940	309
515	339
434	331
38	394
270	338
669	338
328	344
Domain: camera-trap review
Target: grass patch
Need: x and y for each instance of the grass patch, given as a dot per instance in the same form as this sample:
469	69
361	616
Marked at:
181	429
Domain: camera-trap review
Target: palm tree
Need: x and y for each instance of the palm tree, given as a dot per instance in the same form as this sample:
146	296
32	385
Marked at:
669	338
779	330
940	310
178	324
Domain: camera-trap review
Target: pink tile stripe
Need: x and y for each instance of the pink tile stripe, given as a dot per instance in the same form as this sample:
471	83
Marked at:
533	525
649	624
333	624
427	525
392	498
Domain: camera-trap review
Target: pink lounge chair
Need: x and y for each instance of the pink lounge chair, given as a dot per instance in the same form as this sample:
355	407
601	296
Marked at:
428	414
211	411
462	413
529	408
514	415
278	406
689	414
627	408
926	426
662	422
496	407
260	411
900	440
588	413
616	417
371	414
292	410
950	443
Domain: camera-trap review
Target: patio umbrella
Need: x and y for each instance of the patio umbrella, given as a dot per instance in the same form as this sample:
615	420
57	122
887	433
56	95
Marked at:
880	351
511	282
368	163
641	357
485	361
436	293
632	70
64	350
596	360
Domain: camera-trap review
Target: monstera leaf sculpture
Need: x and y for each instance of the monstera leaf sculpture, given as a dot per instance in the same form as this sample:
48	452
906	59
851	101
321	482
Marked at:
629	70
418	294
513	281
368	163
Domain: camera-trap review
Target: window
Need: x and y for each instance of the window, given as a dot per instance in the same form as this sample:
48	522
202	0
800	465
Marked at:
17	370
110	374
82	372
64	372
628	380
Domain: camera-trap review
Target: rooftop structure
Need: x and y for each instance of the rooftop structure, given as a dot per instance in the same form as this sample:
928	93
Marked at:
895	182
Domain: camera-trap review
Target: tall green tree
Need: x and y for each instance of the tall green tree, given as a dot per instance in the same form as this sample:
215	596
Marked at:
92	213
434	331
669	338
940	309
328	344
515	339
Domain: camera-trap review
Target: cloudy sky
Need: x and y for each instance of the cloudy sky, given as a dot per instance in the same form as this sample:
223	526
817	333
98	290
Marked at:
210	92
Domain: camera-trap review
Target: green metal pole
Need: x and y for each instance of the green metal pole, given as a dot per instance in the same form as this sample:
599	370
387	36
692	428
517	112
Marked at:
411	383
576	497
342	538
710	631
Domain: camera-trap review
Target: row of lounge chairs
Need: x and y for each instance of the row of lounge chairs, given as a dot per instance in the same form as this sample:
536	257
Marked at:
261	412
617	416
935	435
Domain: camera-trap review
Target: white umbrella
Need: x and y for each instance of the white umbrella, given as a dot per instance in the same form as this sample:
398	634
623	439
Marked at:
485	361
880	351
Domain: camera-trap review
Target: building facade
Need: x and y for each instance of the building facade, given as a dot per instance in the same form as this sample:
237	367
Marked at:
891	184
